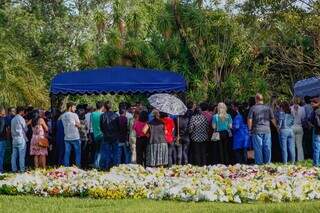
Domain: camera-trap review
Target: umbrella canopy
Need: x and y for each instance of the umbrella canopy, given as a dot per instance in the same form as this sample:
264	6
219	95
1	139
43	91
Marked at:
167	103
307	87
117	80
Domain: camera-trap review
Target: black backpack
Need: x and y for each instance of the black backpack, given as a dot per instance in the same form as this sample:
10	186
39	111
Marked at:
109	124
6	128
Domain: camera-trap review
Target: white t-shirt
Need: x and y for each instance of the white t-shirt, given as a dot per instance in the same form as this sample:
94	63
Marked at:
69	120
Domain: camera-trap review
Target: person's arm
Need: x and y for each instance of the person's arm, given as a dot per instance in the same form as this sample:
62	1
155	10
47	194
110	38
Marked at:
250	119
303	115
214	125
77	121
101	123
236	123
281	118
29	122
272	117
229	122
145	129
44	125
250	124
173	126
23	125
191	125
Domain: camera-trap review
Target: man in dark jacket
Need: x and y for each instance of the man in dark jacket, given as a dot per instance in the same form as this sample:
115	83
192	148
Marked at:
109	149
125	153
315	120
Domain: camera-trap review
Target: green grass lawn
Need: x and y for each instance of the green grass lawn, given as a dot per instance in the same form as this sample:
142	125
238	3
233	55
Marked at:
25	204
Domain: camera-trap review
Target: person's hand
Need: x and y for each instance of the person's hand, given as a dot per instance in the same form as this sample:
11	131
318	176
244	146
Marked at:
178	140
50	147
29	122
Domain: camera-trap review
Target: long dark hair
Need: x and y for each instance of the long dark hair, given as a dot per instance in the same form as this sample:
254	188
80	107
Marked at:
143	117
286	107
197	111
35	118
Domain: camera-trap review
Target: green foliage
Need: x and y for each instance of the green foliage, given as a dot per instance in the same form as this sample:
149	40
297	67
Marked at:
242	86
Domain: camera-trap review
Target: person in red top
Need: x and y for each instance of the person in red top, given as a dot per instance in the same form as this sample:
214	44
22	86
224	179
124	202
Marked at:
169	135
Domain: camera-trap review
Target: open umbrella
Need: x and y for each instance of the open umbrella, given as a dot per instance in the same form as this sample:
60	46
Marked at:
167	103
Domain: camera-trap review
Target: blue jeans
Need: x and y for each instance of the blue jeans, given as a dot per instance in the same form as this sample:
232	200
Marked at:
287	145
3	144
316	149
124	153
262	148
60	151
110	154
77	152
19	147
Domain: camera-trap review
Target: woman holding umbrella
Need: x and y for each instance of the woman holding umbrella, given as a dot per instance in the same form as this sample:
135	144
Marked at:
160	133
157	149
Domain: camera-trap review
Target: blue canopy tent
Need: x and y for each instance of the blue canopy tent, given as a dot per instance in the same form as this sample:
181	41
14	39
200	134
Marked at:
117	80
112	80
307	87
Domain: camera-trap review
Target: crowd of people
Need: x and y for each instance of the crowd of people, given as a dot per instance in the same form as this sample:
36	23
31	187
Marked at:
101	137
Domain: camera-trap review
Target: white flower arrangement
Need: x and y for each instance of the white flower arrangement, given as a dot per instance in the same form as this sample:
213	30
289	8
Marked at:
238	183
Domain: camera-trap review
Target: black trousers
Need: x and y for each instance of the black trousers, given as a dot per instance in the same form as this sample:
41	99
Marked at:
307	143
213	152
275	148
171	154
141	147
240	156
224	147
199	153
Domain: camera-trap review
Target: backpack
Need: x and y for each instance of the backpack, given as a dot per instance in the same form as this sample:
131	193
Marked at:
109	124
6	133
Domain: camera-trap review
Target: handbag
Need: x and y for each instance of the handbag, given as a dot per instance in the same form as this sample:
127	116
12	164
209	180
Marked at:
43	142
215	137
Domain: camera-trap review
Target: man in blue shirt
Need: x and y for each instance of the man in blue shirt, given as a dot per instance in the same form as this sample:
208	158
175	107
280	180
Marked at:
19	140
315	120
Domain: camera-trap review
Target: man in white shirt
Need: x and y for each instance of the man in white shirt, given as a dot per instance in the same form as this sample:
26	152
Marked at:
71	123
19	140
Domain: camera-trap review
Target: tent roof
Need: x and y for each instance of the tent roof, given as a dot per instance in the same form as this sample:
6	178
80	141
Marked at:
307	87
117	80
